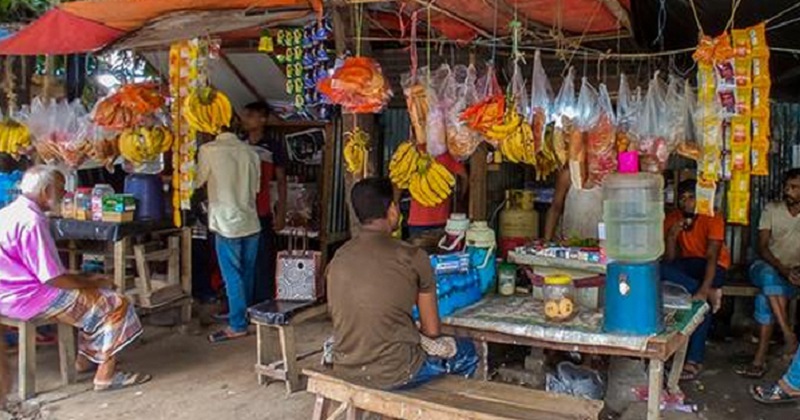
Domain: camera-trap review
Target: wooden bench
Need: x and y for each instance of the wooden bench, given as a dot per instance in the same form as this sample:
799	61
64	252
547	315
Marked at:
749	291
446	398
26	376
276	351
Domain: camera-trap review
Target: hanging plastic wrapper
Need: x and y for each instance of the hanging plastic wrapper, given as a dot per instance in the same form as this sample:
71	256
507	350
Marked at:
626	115
675	113
103	143
653	129
490	109
585	120
519	93
601	155
438	104
705	195
56	127
564	113
461	140
689	147
540	120
359	86
417	105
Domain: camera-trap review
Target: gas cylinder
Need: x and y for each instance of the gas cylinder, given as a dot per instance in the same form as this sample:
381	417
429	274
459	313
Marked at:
519	221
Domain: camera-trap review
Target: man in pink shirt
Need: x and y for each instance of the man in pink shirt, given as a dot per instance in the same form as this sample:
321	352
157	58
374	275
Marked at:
35	285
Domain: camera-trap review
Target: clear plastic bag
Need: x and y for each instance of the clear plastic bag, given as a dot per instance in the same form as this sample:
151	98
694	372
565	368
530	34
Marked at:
438	103
490	108
417	105
461	140
519	94
57	128
577	381
586	118
601	155
689	147
627	111
653	128
564	113
675	114
541	100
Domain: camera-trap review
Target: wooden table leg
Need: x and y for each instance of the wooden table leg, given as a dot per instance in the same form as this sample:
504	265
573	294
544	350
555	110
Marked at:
654	390
186	261
321	408
677	368
482	372
120	252
289	353
266	347
27	361
66	353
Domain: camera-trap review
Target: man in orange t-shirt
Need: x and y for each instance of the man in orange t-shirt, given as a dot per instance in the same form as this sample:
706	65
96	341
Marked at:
696	258
421	218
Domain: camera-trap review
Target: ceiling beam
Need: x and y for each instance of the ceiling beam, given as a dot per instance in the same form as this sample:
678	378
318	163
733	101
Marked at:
619	12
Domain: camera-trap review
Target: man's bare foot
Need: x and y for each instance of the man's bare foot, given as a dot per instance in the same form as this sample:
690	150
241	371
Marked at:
791	346
84	365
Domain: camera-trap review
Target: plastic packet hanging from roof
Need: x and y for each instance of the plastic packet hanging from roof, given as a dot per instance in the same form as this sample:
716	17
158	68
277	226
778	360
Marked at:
358	85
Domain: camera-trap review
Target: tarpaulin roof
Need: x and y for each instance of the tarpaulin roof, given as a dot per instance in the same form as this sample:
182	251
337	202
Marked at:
59	32
85	26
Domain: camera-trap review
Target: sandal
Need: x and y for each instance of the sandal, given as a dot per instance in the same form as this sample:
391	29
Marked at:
222	336
122	380
690	372
751	371
771	394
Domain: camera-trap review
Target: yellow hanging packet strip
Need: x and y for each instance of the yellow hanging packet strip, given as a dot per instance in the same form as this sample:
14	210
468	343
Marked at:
705	194
761	100
761	128
743	71
759	156
741	42
740	144
739	208
740	183
744	100
758	38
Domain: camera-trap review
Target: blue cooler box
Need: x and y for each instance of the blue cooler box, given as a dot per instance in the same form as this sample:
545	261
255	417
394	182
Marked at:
634	301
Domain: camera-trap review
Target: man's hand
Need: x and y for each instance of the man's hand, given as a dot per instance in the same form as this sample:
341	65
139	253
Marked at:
279	221
794	277
102	281
713	297
676	229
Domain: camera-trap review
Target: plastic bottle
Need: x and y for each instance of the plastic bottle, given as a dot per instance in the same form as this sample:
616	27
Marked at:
633	214
99	192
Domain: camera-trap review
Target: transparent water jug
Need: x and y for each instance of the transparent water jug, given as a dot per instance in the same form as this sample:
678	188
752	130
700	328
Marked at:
633	213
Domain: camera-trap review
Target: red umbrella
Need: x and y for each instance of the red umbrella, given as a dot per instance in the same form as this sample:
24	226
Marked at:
59	32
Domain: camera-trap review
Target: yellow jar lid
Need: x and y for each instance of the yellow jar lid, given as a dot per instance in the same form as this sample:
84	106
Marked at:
558	280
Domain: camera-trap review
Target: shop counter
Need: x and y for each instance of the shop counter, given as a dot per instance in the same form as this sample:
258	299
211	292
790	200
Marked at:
519	320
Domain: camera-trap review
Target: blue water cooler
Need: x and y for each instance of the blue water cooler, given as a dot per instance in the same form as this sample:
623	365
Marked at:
634	303
148	190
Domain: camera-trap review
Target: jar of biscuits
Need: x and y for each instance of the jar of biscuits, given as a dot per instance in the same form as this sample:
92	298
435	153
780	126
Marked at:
559	298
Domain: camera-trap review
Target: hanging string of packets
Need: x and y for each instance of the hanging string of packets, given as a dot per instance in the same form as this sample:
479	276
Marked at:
733	103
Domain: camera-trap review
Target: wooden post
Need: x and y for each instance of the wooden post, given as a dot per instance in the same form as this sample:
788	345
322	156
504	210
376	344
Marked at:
289	352
477	183
120	252
66	353
656	378
26	377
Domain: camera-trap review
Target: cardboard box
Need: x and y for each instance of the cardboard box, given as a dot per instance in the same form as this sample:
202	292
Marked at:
118	217
119	203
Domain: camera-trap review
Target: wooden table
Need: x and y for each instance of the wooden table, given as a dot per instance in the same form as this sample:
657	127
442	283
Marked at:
120	239
658	349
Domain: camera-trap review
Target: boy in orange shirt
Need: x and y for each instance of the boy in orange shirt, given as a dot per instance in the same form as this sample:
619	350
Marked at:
696	258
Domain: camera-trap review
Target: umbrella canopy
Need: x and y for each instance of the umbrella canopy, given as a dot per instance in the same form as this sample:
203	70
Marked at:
59	32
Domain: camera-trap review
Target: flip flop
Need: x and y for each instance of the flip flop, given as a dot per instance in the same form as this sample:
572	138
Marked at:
222	336
690	372
122	380
771	394
751	371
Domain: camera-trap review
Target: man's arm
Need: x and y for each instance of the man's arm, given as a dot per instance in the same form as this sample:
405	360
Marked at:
767	255
712	258
671	245
556	209
203	167
428	305
80	281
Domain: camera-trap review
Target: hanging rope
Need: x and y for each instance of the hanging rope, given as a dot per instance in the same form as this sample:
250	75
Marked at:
413	47
428	49
494	34
662	23
783	12
696	18
782	24
734	7
358	14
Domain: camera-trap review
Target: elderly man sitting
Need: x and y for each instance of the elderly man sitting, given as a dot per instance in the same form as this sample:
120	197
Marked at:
34	284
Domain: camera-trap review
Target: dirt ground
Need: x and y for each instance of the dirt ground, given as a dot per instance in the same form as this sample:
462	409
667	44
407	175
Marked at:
195	380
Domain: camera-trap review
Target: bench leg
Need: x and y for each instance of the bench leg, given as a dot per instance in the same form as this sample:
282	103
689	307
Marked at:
354	413
321	407
677	368
654	390
289	353
265	349
186	318
27	361
66	353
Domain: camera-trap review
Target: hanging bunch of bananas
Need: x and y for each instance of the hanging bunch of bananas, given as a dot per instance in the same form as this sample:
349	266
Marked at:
207	110
403	164
142	144
431	183
15	139
546	158
356	150
514	138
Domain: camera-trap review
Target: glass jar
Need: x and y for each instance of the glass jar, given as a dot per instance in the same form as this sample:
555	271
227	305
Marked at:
507	279
68	206
559	298
83	204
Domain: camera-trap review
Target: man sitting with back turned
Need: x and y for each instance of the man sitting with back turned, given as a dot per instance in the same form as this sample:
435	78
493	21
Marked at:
373	283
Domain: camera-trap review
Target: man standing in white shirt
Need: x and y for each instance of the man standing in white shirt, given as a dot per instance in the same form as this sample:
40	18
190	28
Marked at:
232	170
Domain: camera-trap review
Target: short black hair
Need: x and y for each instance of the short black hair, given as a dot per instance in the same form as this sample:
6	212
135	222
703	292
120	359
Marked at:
791	174
371	198
260	107
689	185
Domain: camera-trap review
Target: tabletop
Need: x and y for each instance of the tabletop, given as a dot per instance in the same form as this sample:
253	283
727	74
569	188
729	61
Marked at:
70	229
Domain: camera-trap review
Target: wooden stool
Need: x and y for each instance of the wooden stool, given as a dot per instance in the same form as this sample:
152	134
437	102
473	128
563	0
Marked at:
277	359
26	376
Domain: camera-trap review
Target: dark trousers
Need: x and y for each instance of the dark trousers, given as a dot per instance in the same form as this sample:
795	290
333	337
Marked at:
264	286
201	269
689	273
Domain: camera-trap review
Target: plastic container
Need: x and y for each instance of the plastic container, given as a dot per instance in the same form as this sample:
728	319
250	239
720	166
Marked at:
507	279
9	187
455	233
634	299
148	190
633	214
559	298
519	221
68	206
482	247
83	204
99	192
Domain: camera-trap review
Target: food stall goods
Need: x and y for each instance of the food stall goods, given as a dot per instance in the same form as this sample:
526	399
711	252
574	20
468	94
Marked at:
83	204
559	298
507	279
482	248
99	192
519	221
633	299
633	212
148	191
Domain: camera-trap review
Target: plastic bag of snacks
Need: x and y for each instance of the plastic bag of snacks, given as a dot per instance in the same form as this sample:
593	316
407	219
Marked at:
584	122
675	115
689	147
540	120
705	195
103	144
564	113
56	128
438	103
461	140
358	85
652	129
739	199
491	108
601	155
417	105
519	94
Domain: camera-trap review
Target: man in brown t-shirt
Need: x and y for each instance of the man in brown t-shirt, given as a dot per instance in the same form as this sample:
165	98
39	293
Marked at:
373	284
